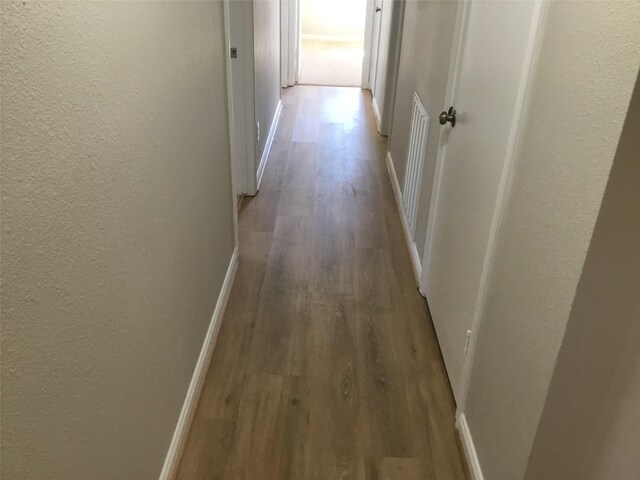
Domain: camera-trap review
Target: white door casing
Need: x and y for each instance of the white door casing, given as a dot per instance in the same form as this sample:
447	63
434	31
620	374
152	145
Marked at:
488	84
291	36
284	43
365	81
240	33
379	56
289	42
376	8
295	25
393	65
231	120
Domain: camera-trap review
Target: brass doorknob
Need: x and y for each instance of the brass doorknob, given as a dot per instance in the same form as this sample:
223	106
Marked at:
449	116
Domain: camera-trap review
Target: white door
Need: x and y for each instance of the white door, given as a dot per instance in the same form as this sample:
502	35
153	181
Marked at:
492	67
375	40
369	21
241	22
379	54
289	42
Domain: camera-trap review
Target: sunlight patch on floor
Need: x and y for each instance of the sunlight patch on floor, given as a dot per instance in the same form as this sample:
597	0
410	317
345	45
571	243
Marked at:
331	63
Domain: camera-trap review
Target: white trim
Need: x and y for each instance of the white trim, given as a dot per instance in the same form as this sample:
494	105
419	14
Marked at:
533	47
267	146
469	448
331	38
295	26
284	43
240	77
368	37
235	167
411	245
393	66
376	21
289	45
236	177
174	454
376	111
380	60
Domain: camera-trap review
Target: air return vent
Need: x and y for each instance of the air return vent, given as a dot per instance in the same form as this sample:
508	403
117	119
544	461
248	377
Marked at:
415	162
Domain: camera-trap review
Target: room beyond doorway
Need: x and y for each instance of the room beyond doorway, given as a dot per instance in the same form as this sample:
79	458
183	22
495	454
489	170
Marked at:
332	42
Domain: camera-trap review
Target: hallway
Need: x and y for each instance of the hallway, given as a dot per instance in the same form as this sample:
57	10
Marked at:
327	365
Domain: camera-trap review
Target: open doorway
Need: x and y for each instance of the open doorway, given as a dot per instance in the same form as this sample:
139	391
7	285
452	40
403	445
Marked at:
332	42
344	43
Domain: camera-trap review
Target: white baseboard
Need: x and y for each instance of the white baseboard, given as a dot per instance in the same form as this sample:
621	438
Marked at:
411	245
267	146
331	38
469	448
174	454
376	113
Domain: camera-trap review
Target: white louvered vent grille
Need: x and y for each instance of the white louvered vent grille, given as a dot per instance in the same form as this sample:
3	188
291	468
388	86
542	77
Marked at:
415	162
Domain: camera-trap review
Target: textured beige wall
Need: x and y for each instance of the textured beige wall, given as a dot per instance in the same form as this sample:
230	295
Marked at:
587	67
424	68
117	228
266	47
589	427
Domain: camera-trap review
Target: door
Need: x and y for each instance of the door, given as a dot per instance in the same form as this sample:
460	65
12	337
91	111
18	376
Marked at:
375	39
487	94
379	55
289	42
241	45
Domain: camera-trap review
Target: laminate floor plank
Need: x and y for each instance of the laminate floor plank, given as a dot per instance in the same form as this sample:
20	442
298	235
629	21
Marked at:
327	365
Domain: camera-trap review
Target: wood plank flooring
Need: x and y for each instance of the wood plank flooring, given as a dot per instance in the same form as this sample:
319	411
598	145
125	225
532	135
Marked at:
327	366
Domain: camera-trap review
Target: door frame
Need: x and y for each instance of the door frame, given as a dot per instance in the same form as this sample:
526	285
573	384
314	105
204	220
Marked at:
375	24
289	42
284	44
393	66
230	119
367	59
239	30
515	134
392	16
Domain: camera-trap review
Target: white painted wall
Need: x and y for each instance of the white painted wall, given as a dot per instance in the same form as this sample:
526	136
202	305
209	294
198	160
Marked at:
335	19
117	228
586	70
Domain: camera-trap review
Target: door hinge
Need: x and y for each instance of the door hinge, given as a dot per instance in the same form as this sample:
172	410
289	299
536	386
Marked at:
233	52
